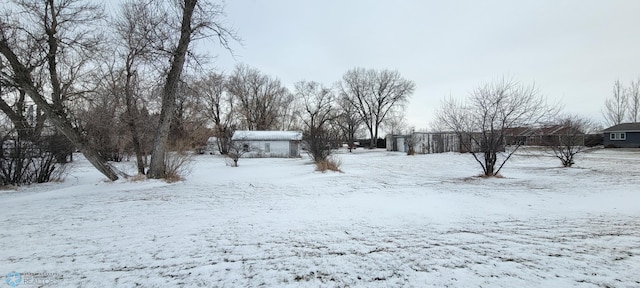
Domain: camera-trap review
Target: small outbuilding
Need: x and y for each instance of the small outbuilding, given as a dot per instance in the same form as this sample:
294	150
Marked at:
282	144
625	135
211	147
429	142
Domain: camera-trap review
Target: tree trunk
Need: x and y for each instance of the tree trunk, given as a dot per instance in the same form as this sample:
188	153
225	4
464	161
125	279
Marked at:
374	144
371	134
56	116
157	166
131	119
490	162
138	150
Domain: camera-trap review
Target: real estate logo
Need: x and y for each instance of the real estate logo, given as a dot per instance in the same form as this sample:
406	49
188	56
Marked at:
13	279
40	279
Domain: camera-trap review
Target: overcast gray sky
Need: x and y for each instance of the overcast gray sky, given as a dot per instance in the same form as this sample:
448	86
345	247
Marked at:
572	50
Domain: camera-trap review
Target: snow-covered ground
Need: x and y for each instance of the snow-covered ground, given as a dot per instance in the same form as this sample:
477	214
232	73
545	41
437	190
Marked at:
389	220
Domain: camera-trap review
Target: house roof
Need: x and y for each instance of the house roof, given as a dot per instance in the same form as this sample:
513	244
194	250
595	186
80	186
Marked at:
624	127
541	131
518	131
267	135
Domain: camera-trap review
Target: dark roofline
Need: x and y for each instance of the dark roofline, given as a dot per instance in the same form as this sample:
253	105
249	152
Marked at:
624	127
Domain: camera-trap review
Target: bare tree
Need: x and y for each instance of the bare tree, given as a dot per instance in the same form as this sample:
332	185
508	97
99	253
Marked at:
237	149
189	129
615	109
28	125
633	98
258	96
104	131
347	121
48	46
570	140
396	121
289	112
198	19
136	35
373	94
218	107
27	155
318	112
480	122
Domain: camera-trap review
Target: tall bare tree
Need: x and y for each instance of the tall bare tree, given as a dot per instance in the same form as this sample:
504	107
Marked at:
347	121
259	97
396	122
615	109
137	38
218	106
289	111
374	93
633	99
198	19
481	121
318	112
49	46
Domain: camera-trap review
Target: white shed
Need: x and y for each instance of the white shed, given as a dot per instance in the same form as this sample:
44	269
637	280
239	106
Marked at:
212	146
425	142
269	143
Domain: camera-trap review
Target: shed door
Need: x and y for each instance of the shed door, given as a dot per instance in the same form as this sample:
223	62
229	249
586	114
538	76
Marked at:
401	145
293	149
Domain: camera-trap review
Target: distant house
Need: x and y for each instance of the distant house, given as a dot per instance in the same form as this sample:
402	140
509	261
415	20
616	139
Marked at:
282	144
549	135
625	135
519	136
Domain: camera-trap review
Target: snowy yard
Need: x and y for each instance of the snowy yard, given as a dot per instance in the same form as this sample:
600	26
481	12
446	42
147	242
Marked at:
389	220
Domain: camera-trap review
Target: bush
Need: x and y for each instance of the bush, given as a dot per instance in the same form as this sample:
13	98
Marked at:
236	150
177	165
330	163
27	162
592	140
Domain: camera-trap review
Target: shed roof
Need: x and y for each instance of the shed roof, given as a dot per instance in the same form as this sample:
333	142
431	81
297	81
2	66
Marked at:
267	135
624	127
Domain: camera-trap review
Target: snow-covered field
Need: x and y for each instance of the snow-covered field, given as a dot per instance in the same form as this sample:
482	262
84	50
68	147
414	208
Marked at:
389	220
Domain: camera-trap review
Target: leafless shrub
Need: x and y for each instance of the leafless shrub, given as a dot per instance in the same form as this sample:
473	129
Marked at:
26	162
570	141
236	150
177	165
331	164
60	173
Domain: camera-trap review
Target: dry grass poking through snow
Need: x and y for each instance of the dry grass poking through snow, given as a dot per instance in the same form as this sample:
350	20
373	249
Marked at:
331	164
177	166
137	178
388	221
